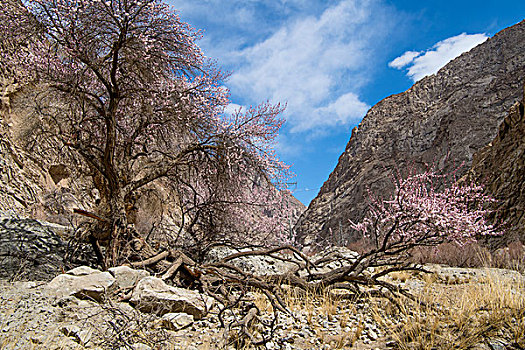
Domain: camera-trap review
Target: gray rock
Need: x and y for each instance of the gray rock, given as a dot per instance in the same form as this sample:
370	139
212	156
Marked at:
372	334
342	256
258	265
36	250
29	249
81	336
153	295
500	166
19	176
92	286
270	345
126	277
497	344
82	271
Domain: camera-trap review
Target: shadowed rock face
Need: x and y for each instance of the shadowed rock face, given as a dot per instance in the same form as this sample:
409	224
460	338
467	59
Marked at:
441	120
29	250
500	166
37	250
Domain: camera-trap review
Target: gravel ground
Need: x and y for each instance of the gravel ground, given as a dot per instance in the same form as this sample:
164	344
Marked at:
29	319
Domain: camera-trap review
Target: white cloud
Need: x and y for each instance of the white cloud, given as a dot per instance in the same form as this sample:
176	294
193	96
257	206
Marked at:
420	64
315	64
236	22
404	59
287	145
347	109
233	108
315	56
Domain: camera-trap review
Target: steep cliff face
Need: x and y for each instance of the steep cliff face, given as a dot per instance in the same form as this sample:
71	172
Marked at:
443	120
501	167
28	187
20	184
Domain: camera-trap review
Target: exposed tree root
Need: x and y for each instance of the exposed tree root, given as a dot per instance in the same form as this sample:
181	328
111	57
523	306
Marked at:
230	284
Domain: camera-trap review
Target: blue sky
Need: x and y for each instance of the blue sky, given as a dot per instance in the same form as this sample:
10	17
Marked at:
330	61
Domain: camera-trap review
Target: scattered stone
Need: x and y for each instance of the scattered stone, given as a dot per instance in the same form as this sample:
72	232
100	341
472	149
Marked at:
497	344
177	321
81	336
372	335
181	314
391	343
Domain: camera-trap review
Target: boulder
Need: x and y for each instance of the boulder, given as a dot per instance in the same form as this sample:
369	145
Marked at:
29	249
126	277
257	265
84	286
82	271
338	257
153	295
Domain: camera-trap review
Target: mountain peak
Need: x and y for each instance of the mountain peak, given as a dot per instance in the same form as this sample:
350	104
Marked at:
442	120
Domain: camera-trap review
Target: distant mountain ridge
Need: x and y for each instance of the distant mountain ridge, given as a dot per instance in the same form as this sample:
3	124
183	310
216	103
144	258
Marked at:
443	119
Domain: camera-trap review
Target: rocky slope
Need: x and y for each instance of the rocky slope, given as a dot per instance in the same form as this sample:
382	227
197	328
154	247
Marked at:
84	309
501	167
441	120
19	183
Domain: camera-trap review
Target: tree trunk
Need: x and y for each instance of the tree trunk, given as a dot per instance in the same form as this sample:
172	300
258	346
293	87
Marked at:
119	233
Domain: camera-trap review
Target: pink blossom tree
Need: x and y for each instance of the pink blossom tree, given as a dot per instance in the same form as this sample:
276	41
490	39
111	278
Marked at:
127	97
423	211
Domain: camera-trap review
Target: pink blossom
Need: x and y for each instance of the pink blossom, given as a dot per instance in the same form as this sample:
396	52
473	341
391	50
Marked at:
420	213
137	102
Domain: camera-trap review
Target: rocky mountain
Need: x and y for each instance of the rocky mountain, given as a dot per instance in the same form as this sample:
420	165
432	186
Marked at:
501	167
442	120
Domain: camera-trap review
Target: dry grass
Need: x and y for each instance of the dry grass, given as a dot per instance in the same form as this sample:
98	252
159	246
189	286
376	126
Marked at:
326	305
313	303
458	316
401	276
474	254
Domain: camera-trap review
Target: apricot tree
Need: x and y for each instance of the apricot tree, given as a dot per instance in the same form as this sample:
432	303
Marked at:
128	98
